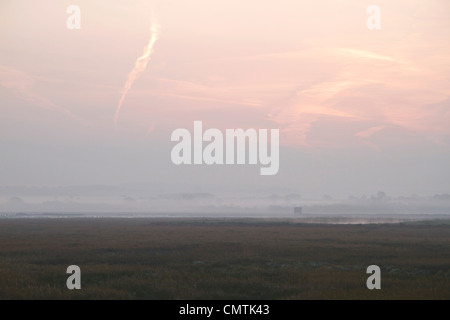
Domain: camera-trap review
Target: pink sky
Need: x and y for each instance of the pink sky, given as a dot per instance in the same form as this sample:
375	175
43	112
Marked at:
311	68
292	64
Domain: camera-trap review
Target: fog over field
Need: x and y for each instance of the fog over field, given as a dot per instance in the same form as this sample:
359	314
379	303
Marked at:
133	201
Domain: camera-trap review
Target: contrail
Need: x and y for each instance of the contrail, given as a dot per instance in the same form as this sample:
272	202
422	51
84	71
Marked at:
139	66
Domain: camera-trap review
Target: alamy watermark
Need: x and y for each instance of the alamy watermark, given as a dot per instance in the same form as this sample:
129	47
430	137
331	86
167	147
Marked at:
229	150
73	22
73	281
374	20
373	281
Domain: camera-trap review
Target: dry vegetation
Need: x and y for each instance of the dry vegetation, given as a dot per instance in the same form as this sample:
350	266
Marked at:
221	259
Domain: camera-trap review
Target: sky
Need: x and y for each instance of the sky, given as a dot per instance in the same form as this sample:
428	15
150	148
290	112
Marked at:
358	110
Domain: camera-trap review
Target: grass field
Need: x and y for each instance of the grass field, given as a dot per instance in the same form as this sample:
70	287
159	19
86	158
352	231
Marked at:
221	259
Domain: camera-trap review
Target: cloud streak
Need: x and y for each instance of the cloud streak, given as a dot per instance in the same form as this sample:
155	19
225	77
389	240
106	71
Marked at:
21	84
139	66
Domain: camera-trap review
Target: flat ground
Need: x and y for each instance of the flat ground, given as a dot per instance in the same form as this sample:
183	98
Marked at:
222	259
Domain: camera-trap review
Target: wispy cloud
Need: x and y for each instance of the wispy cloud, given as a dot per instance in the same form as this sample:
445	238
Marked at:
139	66
366	54
21	84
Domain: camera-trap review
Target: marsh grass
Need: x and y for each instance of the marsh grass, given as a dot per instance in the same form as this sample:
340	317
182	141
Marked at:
221	259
